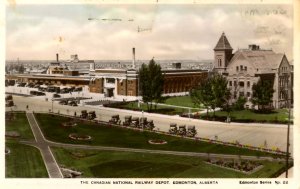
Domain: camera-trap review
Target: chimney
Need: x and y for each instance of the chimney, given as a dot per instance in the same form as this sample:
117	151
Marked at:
133	58
57	57
253	47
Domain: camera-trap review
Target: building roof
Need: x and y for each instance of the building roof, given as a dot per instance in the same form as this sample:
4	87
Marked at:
260	59
223	43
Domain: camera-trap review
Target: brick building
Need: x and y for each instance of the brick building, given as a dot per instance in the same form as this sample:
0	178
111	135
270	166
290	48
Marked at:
112	82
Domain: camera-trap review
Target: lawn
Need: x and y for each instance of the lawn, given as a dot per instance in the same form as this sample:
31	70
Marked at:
23	161
275	115
161	109
185	101
108	164
122	137
20	124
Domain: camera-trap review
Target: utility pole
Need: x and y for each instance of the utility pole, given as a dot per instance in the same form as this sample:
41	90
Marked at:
288	131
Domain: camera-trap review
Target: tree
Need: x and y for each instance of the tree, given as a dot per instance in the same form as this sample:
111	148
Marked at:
240	103
202	95
151	83
220	92
262	94
212	93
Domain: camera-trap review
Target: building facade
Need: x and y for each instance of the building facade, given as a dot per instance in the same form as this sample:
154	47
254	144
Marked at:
246	66
120	83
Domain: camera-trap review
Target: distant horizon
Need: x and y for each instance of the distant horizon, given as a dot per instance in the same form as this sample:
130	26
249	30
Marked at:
128	60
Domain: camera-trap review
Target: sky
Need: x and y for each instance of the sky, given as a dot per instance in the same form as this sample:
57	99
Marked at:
38	32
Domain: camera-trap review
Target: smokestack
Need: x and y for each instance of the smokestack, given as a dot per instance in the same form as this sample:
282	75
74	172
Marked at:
56	57
133	58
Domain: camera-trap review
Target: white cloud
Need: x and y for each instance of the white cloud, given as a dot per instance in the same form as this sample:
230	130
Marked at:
176	32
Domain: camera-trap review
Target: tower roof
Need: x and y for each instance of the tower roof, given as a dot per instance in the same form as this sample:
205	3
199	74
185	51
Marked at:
223	43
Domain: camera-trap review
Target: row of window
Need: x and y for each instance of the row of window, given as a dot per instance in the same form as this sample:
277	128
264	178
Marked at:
241	68
241	83
283	95
283	82
284	69
110	80
241	94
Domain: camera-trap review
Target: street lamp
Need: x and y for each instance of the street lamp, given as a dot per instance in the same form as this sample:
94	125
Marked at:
143	119
52	104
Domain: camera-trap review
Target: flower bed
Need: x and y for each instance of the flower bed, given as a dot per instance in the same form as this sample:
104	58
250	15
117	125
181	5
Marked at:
243	166
12	134
157	141
69	124
76	136
275	151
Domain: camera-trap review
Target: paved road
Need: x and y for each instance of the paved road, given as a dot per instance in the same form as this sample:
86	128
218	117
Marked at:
271	135
49	160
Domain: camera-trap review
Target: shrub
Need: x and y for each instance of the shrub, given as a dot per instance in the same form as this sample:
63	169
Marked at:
240	103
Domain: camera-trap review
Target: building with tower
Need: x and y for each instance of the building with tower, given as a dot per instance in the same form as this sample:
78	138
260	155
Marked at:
222	55
246	66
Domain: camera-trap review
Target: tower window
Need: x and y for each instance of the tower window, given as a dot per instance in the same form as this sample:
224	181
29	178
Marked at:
230	83
219	62
237	68
248	83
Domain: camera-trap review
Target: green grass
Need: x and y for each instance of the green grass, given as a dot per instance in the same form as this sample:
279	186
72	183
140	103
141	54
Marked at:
134	169
21	125
280	115
109	164
122	137
185	101
161	109
24	162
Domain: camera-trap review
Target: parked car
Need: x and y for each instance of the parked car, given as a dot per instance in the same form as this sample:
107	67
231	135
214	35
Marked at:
72	103
56	95
63	102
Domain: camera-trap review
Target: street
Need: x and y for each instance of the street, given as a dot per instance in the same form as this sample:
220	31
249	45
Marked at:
260	135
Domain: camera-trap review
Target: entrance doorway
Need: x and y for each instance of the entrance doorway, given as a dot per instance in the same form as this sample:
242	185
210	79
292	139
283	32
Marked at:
110	92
